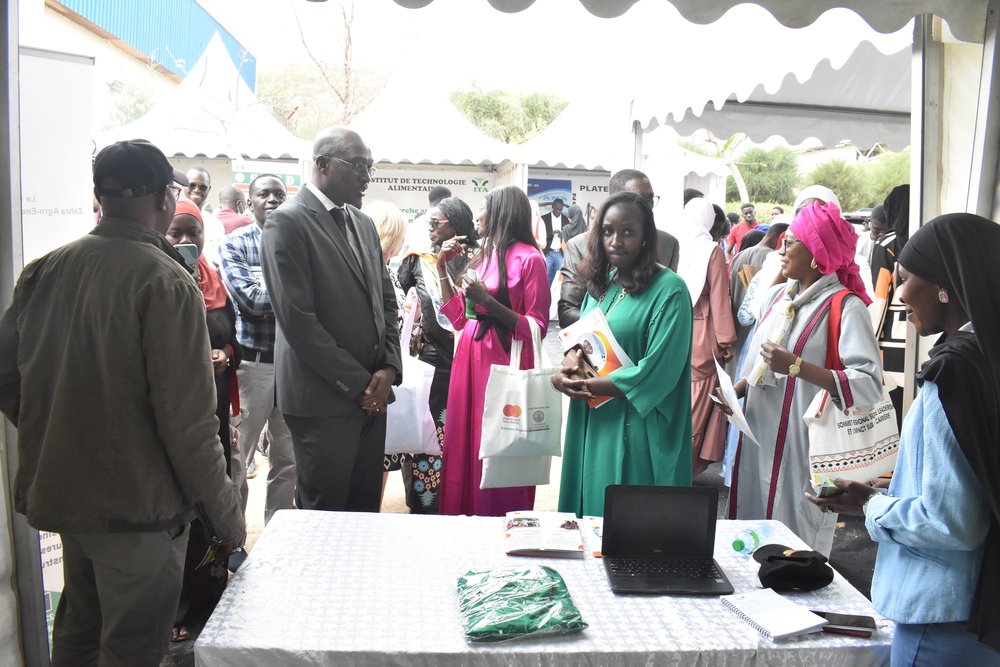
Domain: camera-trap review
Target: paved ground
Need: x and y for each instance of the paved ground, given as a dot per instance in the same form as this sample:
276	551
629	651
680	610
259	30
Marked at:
853	551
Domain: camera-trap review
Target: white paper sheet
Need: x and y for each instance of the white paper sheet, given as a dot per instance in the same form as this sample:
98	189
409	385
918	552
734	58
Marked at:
737	419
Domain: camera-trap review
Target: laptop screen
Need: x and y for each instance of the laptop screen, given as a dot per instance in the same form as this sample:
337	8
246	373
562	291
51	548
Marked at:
660	521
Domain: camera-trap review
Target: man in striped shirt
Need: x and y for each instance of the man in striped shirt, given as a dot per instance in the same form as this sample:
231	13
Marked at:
255	329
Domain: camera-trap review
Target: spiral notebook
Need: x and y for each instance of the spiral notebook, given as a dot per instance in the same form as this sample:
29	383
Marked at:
773	616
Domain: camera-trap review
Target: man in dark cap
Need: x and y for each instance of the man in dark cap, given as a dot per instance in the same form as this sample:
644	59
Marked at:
106	371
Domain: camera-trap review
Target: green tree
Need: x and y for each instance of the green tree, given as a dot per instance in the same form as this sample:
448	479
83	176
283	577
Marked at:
128	102
511	118
770	175
302	100
849	181
331	91
887	172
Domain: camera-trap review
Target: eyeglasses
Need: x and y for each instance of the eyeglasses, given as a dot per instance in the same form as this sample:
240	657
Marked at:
359	169
653	200
200	187
434	224
787	243
176	190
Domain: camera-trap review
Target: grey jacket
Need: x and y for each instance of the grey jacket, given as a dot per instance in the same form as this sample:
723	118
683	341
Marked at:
571	292
336	319
106	370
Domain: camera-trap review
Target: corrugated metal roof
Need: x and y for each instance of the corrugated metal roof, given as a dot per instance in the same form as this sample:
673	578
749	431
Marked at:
174	33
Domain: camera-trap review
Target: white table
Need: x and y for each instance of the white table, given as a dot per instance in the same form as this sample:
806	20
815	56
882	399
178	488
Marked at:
338	588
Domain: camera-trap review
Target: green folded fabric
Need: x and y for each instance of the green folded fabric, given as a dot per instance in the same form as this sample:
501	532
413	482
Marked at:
511	602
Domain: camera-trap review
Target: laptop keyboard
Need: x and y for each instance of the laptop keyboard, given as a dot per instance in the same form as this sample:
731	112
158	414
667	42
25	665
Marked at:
657	567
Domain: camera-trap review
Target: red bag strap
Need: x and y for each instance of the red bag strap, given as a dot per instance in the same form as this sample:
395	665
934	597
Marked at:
833	361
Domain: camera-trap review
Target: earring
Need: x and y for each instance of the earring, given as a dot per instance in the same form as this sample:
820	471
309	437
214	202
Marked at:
643	244
943	295
813	264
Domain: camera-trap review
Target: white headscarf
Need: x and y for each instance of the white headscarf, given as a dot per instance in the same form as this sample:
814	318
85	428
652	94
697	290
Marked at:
695	244
820	192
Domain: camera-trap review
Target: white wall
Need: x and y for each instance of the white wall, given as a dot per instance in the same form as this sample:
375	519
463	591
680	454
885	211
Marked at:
43	28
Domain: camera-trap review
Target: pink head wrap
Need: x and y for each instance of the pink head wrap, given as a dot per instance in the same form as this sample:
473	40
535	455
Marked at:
832	242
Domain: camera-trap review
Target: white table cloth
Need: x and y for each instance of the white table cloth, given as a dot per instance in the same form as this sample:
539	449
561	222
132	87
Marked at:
339	588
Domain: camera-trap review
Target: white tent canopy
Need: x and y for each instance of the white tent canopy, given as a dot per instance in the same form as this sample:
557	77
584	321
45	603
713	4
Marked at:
867	100
212	113
419	125
586	135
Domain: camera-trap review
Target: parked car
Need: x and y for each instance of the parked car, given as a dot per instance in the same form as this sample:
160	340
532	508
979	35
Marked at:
858	218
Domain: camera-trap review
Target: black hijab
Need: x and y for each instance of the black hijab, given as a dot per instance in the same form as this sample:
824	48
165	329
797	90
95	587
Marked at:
897	215
577	225
959	253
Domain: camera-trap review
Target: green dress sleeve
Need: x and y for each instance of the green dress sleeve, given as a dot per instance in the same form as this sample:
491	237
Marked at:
667	358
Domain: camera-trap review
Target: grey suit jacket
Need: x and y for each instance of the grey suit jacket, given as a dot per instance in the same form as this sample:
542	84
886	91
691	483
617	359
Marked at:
571	292
337	319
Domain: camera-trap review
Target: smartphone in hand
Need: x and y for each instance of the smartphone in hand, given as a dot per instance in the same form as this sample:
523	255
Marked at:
189	252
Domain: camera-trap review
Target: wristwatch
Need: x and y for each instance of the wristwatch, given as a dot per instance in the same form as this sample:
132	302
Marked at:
794	369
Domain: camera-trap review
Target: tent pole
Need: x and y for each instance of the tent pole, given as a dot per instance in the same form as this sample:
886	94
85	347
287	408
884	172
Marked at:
986	144
637	155
31	628
926	143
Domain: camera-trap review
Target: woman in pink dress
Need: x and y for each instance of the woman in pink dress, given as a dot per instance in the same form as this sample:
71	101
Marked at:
703	267
511	286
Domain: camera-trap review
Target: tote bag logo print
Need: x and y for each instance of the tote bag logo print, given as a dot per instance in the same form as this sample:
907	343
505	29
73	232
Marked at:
825	464
512	411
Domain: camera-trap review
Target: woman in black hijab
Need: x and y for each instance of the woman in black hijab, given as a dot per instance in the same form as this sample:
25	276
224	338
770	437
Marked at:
577	225
938	568
433	339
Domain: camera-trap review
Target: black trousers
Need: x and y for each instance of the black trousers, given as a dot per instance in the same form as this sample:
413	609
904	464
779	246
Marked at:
338	461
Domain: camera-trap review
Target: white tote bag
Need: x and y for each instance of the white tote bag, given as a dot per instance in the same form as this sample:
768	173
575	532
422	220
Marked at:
409	427
857	444
522	421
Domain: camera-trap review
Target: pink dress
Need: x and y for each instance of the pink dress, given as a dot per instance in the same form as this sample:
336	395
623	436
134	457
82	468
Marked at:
528	288
713	327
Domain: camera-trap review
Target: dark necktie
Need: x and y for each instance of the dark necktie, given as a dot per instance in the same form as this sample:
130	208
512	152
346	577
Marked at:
344	223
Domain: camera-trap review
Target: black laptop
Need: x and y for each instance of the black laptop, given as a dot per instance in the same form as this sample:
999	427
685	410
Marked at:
661	539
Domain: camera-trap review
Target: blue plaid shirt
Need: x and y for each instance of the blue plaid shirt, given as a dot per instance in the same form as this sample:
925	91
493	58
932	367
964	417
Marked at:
244	279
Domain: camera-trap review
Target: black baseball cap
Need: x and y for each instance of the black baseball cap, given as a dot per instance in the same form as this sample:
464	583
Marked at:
785	569
138	165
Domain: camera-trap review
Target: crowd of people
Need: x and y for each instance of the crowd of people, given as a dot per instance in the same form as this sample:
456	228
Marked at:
195	334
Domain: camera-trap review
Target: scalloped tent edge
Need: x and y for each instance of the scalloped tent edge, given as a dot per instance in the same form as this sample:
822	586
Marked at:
829	105
965	17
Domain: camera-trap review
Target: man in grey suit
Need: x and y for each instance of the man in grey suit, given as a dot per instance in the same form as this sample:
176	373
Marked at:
571	292
337	344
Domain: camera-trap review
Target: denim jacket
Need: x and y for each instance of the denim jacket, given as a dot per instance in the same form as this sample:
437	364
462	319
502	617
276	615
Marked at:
932	527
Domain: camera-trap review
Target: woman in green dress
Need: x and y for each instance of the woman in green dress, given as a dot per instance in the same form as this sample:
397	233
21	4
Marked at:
643	434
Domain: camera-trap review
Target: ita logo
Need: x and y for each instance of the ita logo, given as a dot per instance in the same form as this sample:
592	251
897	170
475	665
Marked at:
479	184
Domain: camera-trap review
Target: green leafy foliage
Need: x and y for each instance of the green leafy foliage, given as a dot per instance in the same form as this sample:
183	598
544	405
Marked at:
128	102
863	185
512	118
770	175
887	172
